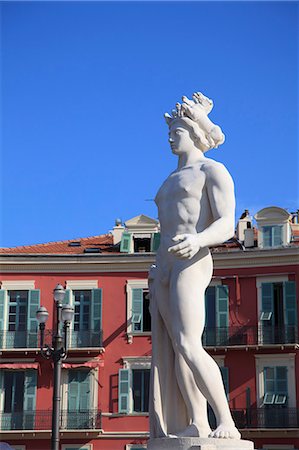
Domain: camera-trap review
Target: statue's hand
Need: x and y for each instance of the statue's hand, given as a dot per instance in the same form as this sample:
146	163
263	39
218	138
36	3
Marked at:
189	245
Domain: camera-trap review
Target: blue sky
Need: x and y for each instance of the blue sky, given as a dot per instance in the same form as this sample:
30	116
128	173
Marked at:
84	89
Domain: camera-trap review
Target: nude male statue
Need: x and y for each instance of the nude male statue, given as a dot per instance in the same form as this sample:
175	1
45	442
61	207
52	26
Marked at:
196	210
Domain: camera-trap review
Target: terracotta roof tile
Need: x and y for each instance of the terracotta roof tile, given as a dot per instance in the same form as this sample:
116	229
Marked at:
103	242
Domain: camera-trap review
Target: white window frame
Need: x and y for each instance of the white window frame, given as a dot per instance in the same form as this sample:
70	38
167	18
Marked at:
94	382
77	446
133	363
79	285
13	285
18	447
274	360
259	282
134	284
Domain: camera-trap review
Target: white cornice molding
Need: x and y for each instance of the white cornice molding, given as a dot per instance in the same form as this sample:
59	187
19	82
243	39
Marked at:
141	262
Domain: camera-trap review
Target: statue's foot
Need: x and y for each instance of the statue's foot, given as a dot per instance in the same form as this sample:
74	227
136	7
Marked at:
225	432
194	430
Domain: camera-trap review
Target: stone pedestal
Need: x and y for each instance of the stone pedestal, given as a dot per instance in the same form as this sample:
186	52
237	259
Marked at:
199	444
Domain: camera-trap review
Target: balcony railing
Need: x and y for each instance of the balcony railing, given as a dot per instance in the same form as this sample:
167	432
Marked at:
267	417
29	339
41	420
254	418
249	335
257	418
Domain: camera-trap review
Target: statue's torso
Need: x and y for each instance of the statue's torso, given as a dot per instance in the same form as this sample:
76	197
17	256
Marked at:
183	202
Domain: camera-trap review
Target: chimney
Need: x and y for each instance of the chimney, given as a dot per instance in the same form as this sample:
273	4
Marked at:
244	223
117	231
248	238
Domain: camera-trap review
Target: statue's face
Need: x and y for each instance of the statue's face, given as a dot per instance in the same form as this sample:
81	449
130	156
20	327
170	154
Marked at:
180	139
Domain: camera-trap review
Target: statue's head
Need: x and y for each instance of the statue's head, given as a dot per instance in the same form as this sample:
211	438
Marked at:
192	115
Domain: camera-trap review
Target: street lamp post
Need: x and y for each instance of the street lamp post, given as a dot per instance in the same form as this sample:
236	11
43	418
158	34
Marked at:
57	352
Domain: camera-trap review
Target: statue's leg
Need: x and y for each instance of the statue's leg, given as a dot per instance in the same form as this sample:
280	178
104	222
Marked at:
187	288
195	401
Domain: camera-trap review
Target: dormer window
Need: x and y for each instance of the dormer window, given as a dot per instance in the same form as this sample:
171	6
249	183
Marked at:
272	236
274	228
140	235
142	244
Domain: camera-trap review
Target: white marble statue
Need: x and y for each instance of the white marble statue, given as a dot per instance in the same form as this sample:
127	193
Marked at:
196	206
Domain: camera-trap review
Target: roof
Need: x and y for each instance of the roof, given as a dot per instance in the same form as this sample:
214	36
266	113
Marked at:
104	244
94	244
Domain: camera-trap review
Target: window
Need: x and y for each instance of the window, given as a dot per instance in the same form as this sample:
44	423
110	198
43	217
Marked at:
272	236
139	243
275	385
79	389
217	316
138	303
18	447
141	318
17	401
86	328
276	390
18	306
80	399
133	386
278	315
140	388
142	245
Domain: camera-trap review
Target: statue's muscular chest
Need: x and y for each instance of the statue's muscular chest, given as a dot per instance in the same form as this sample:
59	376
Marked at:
183	184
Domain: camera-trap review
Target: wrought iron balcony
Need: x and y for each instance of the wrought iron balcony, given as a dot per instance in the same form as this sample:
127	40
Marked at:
253	418
41	420
249	335
266	417
30	339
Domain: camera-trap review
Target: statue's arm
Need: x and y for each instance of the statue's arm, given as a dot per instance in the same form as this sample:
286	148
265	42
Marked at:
220	189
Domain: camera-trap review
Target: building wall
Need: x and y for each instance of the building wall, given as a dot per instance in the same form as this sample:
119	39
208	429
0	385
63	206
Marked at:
241	361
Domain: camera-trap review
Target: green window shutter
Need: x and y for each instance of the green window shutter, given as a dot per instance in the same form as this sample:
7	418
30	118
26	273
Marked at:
267	236
30	383
137	309
30	389
222	306
96	299
277	235
96	309
155	241
84	391
224	373
73	391
33	305
67	297
290	307
2	299
267	299
124	391
79	390
125	244
275	385
32	324
282	380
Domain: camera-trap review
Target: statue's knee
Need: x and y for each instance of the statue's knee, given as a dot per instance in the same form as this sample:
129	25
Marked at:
186	347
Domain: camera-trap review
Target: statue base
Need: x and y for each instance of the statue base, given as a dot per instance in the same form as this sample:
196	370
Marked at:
186	443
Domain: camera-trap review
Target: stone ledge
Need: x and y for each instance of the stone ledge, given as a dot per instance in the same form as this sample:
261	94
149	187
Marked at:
199	444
